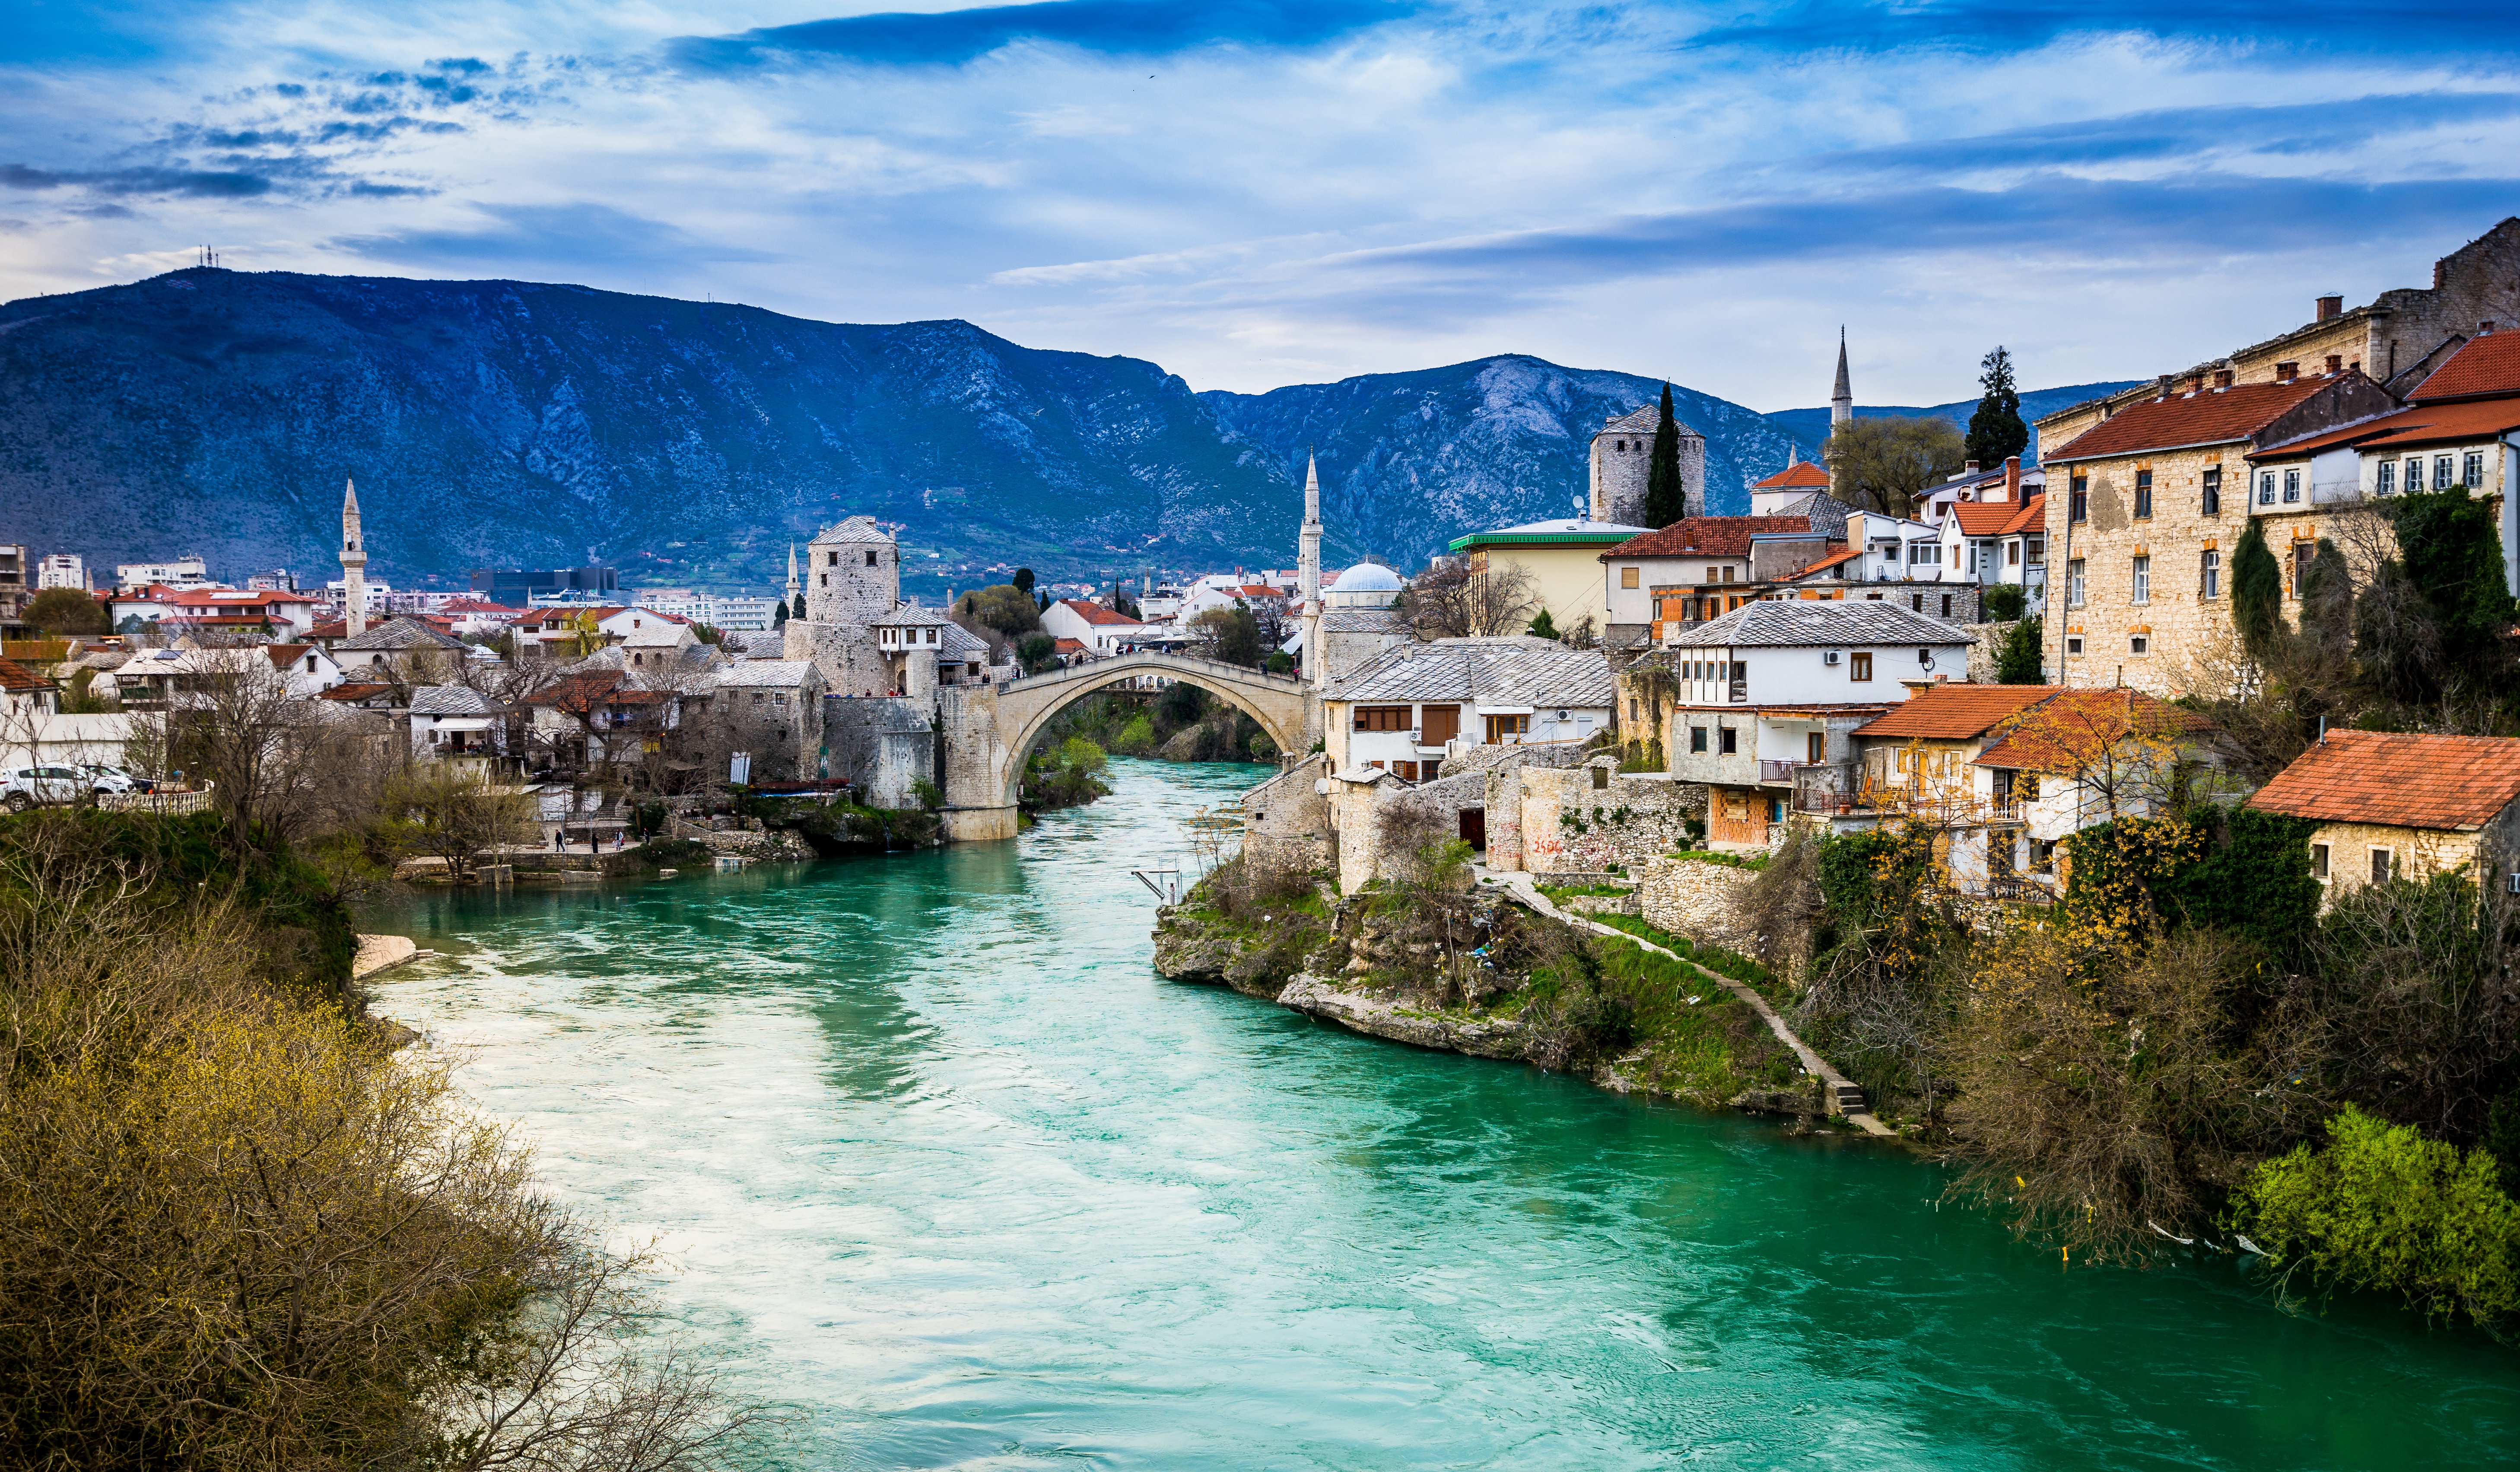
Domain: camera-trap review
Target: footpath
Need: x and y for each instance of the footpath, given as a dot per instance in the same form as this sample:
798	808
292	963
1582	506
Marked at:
1842	1090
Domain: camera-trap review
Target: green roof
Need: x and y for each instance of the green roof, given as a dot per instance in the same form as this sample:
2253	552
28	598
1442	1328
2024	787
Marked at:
1541	539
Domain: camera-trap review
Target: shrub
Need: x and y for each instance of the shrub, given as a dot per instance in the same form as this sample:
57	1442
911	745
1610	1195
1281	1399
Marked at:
2381	1206
2004	602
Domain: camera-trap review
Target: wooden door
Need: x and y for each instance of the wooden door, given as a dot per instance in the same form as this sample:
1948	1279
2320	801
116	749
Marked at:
1474	828
1442	723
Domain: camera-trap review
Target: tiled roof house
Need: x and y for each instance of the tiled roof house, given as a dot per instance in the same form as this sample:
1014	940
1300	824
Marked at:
2404	806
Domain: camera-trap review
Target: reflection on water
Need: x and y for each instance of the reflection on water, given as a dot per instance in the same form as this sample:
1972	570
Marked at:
940	1160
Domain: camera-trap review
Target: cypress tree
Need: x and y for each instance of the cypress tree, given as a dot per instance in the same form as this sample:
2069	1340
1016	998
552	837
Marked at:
2019	662
1995	430
798	611
779	618
1666	497
2256	593
2453	553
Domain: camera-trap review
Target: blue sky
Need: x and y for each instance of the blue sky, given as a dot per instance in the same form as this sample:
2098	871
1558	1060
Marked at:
1262	192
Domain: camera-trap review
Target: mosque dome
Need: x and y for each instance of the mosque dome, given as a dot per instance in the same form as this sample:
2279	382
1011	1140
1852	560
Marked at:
1367	577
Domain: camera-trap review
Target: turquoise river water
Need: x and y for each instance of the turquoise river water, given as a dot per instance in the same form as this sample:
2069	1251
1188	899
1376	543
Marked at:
941	1164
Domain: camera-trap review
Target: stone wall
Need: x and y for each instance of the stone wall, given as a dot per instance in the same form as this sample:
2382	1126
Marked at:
881	745
1986	656
1287	822
846	653
1595	816
1500	768
1694	898
1363	815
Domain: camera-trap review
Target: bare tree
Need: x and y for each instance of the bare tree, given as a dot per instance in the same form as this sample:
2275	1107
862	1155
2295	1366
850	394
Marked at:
1456	597
1886	463
458	816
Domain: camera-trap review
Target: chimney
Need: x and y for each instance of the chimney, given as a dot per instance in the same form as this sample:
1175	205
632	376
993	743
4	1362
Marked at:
2286	371
1968	467
2012	477
2223	378
2161	386
2335	364
2196	382
2330	308
2485	328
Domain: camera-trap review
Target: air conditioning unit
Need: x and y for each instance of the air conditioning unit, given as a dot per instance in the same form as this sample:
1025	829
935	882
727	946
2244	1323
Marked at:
2512	883
1830	657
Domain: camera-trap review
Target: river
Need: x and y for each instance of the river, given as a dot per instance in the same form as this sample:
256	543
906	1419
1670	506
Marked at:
941	1164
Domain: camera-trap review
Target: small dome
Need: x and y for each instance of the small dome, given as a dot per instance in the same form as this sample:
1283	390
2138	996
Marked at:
1367	577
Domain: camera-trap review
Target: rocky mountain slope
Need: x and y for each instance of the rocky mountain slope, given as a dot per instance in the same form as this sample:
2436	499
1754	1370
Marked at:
515	423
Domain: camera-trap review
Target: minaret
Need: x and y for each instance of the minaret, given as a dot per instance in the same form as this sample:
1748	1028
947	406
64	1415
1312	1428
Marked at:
1308	573
794	587
354	564
1841	413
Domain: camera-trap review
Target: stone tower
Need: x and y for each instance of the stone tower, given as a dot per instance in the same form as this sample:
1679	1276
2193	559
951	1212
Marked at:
354	564
1841	413
852	578
1622	457
1308	574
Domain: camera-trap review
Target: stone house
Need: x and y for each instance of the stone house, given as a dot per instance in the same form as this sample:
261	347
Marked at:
2078	758
601	716
1765	702
853	579
454	722
884	748
2461	429
1697	569
2404	806
772	711
1994	539
1406	710
2156	497
403	648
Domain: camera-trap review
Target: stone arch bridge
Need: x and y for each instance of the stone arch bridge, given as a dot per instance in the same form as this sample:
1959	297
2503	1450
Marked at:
986	729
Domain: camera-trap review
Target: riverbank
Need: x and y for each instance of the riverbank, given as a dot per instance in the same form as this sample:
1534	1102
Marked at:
1496	970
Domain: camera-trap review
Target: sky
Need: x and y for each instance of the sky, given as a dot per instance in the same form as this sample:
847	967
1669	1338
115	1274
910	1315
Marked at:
1255	193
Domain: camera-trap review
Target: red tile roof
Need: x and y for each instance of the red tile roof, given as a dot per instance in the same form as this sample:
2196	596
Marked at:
1705	537
2211	418
1067	646
1824	565
359	690
1801	475
283	655
2486	365
2001	519
1097	614
2075	727
1955	712
16	676
2457	784
2423	424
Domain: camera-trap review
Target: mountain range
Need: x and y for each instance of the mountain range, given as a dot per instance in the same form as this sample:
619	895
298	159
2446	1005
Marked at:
513	423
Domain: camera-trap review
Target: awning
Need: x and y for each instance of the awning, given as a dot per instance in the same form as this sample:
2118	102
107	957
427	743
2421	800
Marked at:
465	723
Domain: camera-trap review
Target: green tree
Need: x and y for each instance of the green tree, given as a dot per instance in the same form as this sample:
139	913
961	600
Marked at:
65	611
1280	662
1543	626
1995	430
1036	651
1002	607
778	614
2437	629
2327	604
2004	603
1666	494
799	610
1232	635
1023	580
1887	462
2019	662
2256	593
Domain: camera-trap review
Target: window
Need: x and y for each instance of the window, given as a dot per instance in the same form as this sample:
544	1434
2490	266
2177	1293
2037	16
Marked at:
2414	480
2078	501
2142	581
1946	606
2138	644
835	561
2144	493
2302	553
2474	471
1728	575
2440	473
1955	557
2073	643
2074	583
2319	860
2266	488
826	579
1501	726
1816	748
2292	486
2381	861
1600	778
1731	742
1917	602
2385	481
870	556
1697	739
1383	718
2211	502
2013	553
1859	665
1627	577
2209	574
1632	708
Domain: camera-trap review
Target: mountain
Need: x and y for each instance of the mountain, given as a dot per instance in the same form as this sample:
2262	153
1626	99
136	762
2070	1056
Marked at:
512	424
1810	426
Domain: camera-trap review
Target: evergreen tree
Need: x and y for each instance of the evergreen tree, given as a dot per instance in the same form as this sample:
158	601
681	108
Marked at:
1543	627
2256	593
1995	430
1023	579
2453	553
2327	604
778	614
798	612
1666	496
2019	662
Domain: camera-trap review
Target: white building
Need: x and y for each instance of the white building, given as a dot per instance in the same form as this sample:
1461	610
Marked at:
736	615
1104	632
183	573
1405	711
63	569
457	723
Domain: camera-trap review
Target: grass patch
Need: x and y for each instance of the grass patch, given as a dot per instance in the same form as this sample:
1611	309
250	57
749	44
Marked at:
1751	861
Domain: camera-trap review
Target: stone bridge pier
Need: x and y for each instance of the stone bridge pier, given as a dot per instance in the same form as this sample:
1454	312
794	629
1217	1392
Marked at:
984	731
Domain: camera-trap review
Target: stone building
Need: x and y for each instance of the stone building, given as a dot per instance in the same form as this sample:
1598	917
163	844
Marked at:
2395	806
772	711
1357	621
2155	497
1622	457
884	746
852	579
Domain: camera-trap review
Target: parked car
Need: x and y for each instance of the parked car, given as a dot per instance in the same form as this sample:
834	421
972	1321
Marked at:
24	788
105	779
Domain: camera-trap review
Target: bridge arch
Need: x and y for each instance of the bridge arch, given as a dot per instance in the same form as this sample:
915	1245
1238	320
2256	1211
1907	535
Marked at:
1284	706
